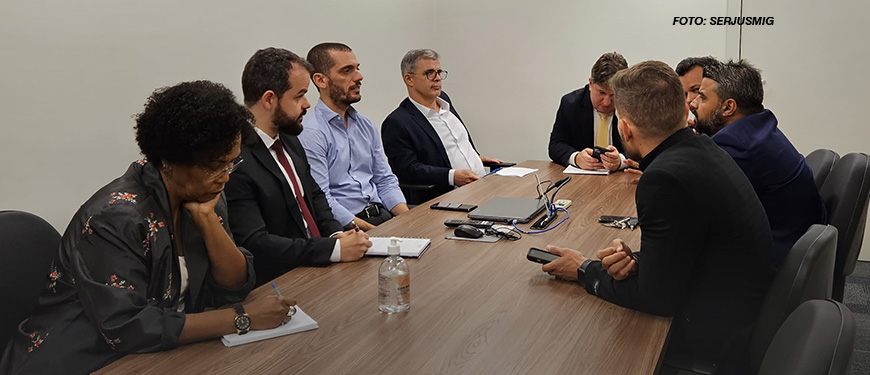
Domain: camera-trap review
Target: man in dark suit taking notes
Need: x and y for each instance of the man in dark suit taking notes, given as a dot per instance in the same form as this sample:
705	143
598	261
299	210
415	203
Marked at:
586	119
276	209
705	249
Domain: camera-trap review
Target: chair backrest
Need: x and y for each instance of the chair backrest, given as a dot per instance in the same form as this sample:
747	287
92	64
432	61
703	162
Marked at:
806	274
27	246
846	192
822	161
816	339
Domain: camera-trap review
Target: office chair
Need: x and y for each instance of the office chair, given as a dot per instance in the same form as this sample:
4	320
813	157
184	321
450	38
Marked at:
816	339
27	246
822	161
806	274
846	192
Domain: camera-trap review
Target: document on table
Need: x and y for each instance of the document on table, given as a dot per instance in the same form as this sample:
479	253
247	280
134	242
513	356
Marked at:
515	171
300	322
408	247
574	170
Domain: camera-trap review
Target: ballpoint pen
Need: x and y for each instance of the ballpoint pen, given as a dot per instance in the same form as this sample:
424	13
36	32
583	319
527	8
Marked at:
491	172
278	293
355	227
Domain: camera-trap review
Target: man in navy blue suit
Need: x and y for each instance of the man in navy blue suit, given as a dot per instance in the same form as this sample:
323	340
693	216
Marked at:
728	109
424	139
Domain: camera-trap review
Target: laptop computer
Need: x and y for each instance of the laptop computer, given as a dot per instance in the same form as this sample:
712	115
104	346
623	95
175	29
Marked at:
505	209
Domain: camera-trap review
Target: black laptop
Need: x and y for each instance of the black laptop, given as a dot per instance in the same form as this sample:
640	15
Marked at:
505	209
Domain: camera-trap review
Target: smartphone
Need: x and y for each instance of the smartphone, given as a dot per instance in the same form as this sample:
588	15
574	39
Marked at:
597	151
541	256
453	206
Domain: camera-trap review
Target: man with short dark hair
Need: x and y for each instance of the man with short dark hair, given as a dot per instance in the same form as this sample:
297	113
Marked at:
585	119
691	71
705	242
729	109
425	140
344	147
276	210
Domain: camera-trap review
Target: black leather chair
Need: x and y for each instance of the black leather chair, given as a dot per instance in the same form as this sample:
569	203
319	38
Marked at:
822	161
816	339
806	274
846	192
27	246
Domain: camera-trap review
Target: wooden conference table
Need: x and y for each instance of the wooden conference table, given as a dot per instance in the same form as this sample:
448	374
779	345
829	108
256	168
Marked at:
476	308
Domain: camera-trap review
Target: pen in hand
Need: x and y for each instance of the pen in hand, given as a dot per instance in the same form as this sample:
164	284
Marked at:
278	293
355	227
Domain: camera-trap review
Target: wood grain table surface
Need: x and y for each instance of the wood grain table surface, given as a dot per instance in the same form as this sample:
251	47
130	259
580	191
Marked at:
476	308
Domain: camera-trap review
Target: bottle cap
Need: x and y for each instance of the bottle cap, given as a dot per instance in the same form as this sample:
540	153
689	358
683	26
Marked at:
393	248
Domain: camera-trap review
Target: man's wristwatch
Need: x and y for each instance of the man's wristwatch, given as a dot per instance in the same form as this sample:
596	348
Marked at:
581	272
242	323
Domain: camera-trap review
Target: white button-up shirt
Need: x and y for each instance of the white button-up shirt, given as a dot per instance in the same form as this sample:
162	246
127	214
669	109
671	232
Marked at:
454	137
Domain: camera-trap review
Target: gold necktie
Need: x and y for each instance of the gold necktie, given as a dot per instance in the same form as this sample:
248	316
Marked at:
601	139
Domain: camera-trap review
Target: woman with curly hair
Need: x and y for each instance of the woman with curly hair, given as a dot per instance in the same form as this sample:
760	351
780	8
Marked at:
146	257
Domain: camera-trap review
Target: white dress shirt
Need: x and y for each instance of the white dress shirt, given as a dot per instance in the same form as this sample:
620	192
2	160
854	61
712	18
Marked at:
269	141
454	137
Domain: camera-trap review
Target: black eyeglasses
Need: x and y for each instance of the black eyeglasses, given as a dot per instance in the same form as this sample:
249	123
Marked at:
430	74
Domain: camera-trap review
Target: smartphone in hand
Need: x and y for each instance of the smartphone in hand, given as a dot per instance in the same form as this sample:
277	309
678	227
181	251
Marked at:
541	256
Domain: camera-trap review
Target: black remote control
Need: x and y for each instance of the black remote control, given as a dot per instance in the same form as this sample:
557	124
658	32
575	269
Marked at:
474	223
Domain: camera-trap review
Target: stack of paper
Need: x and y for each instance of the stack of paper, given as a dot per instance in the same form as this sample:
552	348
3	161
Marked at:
515	171
300	322
409	247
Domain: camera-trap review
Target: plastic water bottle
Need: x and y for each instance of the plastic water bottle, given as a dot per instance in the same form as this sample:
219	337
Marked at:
394	281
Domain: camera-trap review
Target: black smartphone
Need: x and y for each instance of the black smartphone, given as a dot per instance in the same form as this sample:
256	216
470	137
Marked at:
453	206
597	151
541	256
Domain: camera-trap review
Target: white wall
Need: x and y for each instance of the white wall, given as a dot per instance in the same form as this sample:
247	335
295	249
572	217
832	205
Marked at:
73	73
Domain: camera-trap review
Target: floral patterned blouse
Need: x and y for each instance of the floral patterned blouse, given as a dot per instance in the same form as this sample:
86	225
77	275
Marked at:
113	287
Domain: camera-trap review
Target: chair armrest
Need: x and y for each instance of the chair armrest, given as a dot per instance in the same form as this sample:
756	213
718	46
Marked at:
420	187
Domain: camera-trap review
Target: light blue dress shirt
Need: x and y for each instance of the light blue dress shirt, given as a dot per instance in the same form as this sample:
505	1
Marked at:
348	163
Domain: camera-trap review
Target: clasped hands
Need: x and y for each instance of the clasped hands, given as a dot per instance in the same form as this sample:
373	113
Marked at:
610	160
616	259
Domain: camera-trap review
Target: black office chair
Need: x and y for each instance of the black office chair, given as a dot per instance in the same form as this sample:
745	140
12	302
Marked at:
27	246
807	274
416	194
822	161
816	339
846	192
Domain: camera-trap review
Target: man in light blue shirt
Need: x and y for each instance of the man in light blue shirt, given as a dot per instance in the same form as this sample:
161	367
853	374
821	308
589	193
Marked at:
344	147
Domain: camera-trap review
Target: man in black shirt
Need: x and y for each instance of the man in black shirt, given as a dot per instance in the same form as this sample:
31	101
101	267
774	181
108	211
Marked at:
705	254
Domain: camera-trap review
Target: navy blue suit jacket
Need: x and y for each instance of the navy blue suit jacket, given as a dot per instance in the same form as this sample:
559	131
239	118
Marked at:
780	176
414	150
574	127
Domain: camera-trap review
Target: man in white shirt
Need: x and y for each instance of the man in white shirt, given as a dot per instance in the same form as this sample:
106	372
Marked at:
275	208
424	139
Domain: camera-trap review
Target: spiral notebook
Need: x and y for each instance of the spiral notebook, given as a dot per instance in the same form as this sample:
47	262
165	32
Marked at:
409	247
300	322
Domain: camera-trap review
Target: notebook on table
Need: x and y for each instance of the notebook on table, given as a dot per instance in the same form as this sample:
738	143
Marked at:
505	209
300	322
409	247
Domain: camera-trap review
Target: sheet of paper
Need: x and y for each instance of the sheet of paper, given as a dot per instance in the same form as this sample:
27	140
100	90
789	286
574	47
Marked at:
515	171
300	322
574	170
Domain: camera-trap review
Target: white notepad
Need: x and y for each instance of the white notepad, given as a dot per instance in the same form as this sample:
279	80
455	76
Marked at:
410	247
574	170
515	171
300	322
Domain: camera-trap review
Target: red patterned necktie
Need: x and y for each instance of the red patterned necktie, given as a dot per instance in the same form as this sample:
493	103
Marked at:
306	214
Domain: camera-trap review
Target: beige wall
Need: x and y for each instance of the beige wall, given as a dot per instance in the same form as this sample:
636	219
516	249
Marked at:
73	73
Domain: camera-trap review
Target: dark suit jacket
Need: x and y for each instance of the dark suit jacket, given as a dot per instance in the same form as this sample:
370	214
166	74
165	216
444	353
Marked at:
265	217
780	175
413	148
705	253
574	128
